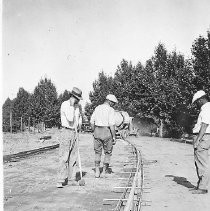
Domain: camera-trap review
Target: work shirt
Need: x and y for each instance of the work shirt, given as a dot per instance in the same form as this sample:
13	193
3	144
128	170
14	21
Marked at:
204	116
67	114
71	114
103	116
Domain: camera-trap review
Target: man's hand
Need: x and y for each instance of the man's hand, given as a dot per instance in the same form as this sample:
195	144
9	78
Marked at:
195	142
92	127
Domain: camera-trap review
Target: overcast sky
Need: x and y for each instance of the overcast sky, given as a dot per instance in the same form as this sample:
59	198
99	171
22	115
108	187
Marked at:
70	41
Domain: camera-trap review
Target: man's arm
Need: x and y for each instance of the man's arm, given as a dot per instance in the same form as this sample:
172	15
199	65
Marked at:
200	134
112	129
112	124
69	113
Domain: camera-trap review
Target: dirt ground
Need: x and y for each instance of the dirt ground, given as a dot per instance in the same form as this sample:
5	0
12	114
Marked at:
30	184
18	142
169	173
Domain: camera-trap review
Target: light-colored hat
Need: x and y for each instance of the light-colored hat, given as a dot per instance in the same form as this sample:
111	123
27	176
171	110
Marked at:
198	95
112	98
77	93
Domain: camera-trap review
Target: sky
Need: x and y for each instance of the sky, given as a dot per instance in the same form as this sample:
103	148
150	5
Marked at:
71	41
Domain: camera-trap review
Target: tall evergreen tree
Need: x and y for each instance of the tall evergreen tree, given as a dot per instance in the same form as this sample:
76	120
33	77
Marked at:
6	109
44	104
21	107
201	62
101	88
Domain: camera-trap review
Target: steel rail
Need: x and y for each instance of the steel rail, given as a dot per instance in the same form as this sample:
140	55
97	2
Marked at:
131	198
124	194
24	154
135	196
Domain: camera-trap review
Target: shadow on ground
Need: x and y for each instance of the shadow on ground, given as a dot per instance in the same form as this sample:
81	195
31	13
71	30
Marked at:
181	181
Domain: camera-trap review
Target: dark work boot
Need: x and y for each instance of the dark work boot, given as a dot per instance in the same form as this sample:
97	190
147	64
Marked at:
105	170
197	187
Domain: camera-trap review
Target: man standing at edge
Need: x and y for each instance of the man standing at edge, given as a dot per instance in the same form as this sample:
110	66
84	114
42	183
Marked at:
67	149
103	126
202	142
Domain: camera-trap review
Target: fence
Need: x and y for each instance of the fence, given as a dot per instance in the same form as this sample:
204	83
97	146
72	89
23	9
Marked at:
22	124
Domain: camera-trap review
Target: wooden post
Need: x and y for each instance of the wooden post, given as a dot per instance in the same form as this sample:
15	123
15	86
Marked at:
10	120
28	124
21	124
161	128
34	124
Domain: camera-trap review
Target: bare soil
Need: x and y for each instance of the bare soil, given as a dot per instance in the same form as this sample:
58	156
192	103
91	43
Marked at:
30	184
18	142
169	173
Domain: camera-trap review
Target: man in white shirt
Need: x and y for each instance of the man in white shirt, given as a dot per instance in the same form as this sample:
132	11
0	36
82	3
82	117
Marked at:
67	151
103	124
202	142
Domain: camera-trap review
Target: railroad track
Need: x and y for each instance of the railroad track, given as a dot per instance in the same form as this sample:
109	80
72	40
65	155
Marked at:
131	193
131	197
25	154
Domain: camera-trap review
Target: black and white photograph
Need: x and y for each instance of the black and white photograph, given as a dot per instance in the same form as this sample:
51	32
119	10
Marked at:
105	105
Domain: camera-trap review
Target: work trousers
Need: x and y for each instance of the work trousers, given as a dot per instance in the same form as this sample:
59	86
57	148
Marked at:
202	162
67	154
102	141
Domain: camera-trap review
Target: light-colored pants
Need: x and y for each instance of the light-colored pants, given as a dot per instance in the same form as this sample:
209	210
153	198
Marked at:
67	154
102	140
202	162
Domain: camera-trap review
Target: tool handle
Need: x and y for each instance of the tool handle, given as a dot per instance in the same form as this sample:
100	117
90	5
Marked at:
79	159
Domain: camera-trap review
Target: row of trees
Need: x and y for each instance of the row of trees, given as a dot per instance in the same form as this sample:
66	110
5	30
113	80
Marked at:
162	89
42	106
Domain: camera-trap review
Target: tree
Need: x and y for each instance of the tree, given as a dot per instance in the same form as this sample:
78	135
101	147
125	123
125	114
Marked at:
172	88
21	107
201	62
101	88
88	110
122	85
62	97
44	104
6	109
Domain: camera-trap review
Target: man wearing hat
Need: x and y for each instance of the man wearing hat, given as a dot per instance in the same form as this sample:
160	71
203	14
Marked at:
70	115
201	131
103	124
